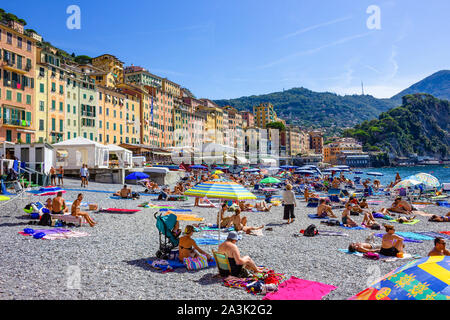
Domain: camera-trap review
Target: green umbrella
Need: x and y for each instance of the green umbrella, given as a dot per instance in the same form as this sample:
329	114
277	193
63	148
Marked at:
270	180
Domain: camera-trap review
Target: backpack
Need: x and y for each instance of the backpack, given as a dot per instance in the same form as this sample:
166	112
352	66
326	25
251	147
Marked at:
311	231
46	220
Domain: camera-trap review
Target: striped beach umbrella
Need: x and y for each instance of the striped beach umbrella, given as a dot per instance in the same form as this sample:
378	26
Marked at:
407	183
423	279
426	179
227	190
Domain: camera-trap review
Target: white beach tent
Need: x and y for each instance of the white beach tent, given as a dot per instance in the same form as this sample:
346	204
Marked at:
81	151
125	156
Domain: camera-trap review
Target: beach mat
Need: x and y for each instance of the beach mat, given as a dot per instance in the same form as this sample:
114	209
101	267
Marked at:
382	257
54	234
314	216
353	228
174	264
299	289
410	237
120	198
409	223
433	234
119	211
174	210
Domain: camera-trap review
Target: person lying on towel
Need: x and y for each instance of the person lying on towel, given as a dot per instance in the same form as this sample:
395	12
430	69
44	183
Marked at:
237	263
363	247
188	247
436	218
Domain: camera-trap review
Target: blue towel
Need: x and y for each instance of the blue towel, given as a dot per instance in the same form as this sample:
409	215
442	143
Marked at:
314	216
356	253
415	236
175	210
353	228
207	241
4	192
405	239
435	234
119	198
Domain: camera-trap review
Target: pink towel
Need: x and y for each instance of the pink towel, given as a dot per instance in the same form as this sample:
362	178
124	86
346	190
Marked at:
299	289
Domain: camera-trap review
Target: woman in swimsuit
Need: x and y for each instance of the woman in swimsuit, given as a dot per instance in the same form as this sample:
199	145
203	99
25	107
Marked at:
392	244
188	247
346	220
363	247
436	218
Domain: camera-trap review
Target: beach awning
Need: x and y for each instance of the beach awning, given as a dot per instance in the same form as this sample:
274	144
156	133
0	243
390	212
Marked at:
242	160
268	161
167	154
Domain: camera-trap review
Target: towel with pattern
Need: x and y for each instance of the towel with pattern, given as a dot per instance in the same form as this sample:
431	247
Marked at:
299	289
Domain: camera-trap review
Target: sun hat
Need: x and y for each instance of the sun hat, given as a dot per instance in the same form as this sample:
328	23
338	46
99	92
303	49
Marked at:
233	236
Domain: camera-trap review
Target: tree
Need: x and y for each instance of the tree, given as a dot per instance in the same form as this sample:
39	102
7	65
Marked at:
276	125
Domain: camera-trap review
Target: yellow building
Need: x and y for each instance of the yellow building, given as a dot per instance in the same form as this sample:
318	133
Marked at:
332	151
50	95
264	114
113	69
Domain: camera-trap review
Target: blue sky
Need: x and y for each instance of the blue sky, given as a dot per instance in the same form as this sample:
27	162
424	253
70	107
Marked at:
229	48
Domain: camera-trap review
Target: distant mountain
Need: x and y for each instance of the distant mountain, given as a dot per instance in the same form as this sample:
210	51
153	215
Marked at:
438	85
307	108
310	109
420	125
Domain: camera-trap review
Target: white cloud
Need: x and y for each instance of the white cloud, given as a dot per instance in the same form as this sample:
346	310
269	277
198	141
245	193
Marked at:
317	26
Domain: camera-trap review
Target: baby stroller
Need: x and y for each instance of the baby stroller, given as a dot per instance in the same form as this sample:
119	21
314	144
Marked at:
167	241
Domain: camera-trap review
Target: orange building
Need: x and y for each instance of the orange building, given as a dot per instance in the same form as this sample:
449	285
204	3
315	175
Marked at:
17	98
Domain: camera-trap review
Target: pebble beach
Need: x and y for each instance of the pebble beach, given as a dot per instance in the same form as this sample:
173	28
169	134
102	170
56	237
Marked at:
112	260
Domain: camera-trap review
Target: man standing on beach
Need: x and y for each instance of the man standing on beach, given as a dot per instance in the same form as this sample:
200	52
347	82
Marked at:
83	175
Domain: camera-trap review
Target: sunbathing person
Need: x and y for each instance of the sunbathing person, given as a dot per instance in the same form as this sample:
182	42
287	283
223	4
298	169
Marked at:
238	222
363	204
368	219
244	206
346	220
391	244
77	213
324	210
363	247
188	246
59	204
405	219
436	218
354	205
237	263
439	248
401	206
225	222
124	193
263	206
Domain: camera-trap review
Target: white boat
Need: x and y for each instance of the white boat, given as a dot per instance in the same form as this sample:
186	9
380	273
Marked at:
379	174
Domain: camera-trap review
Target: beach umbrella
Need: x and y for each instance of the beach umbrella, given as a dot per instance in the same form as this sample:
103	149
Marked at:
407	183
137	176
270	180
427	179
422	279
218	172
198	166
227	190
304	172
252	170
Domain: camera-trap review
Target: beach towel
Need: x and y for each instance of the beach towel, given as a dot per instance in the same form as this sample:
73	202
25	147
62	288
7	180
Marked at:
186	217
208	242
214	228
175	210
356	253
410	222
120	198
332	233
409	237
445	232
119	211
54	234
315	216
433	234
382	257
165	264
353	228
299	289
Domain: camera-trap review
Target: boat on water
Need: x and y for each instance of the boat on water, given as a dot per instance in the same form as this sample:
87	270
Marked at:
377	174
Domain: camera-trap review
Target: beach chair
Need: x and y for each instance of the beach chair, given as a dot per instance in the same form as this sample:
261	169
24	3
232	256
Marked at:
223	264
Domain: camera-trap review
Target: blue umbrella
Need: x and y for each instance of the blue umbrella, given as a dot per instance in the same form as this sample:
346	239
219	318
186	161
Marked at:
197	166
137	176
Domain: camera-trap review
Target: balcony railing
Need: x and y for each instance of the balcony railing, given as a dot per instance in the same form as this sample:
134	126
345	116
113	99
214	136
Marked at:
17	122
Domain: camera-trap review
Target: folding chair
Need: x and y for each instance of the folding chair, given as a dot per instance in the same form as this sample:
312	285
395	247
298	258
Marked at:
223	264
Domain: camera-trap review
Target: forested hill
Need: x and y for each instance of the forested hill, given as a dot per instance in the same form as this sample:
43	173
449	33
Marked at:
307	108
438	85
420	125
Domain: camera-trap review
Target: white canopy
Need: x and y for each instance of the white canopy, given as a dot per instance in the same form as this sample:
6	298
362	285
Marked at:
82	151
125	156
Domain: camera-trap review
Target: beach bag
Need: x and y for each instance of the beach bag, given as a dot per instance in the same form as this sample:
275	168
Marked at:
372	255
46	220
201	262
311	231
333	222
375	227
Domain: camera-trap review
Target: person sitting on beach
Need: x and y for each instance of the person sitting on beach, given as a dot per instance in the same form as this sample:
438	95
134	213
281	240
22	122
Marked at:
244	206
346	220
376	184
188	247
335	183
368	219
439	248
363	204
59	204
355	209
49	204
391	244
237	263
225	222
436	218
263	206
401	206
324	210
124	193
238	222
77	213
397	179
363	247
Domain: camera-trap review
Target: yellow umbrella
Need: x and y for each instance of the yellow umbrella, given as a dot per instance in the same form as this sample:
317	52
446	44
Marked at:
219	172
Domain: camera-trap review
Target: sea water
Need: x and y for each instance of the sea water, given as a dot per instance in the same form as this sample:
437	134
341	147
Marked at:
443	174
